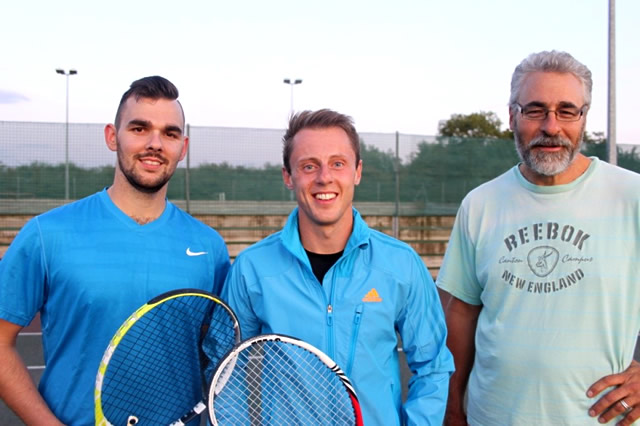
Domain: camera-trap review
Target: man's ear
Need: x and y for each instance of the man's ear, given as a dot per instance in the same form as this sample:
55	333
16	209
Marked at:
358	173
286	177
110	137
512	119
185	147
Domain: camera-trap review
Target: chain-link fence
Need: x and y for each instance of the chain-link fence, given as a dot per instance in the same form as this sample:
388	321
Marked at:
39	162
403	174
231	179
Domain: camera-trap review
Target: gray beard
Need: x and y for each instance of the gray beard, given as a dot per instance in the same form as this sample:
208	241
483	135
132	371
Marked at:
545	163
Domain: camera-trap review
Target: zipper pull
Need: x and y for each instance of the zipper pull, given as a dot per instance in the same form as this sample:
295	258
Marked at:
329	315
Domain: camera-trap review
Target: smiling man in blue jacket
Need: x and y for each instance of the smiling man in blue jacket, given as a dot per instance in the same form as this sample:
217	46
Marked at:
328	279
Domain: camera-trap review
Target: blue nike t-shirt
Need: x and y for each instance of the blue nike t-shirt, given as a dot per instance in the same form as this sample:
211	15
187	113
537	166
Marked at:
86	267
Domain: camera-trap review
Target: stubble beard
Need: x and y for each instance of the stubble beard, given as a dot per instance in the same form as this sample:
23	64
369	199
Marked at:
136	181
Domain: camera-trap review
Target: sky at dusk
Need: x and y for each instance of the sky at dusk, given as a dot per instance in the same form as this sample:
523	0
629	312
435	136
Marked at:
393	66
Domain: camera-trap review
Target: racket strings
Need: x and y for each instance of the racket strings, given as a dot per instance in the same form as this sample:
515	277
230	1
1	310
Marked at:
152	369
276	384
294	384
220	337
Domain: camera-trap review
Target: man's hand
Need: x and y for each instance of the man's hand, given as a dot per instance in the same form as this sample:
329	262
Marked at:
455	419
615	403
462	319
16	387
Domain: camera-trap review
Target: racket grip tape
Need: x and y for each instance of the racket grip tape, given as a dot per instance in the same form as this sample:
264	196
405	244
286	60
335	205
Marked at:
199	408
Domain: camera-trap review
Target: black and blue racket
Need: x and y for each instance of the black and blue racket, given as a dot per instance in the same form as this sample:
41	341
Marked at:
154	370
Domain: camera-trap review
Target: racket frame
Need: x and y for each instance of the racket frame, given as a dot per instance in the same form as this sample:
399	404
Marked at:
100	417
222	374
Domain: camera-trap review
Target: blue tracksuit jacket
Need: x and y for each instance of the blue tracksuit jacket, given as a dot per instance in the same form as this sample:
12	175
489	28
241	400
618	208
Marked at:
378	289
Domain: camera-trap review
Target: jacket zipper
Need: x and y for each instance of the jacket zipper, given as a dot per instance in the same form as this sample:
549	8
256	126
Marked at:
357	318
330	333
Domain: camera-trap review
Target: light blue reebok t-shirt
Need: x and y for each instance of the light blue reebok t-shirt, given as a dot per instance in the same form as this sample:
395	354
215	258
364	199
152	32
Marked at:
556	269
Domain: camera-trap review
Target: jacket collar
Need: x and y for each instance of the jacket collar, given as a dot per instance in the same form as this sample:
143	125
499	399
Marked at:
290	235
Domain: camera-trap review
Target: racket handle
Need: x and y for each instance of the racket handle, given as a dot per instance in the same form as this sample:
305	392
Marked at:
199	408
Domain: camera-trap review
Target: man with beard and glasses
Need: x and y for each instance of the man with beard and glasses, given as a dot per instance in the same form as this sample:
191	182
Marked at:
542	269
86	266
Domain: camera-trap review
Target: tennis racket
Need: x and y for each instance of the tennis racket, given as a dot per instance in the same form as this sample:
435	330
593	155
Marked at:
154	370
279	380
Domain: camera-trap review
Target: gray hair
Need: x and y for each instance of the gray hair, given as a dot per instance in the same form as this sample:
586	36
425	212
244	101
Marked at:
550	61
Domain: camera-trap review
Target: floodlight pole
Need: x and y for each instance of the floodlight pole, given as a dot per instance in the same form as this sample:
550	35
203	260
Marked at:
66	138
291	82
612	149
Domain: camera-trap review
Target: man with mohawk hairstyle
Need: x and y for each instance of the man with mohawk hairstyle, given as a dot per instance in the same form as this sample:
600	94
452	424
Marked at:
88	265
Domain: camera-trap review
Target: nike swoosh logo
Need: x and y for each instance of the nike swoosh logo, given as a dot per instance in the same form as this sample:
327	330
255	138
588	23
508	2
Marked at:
195	253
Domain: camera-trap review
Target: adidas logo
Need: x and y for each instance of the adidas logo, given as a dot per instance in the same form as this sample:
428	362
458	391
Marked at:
372	296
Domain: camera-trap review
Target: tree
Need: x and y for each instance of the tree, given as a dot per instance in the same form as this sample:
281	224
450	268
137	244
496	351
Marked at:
594	138
475	125
446	170
378	171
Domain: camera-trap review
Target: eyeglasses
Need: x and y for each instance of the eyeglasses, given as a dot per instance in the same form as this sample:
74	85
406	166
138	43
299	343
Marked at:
540	113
